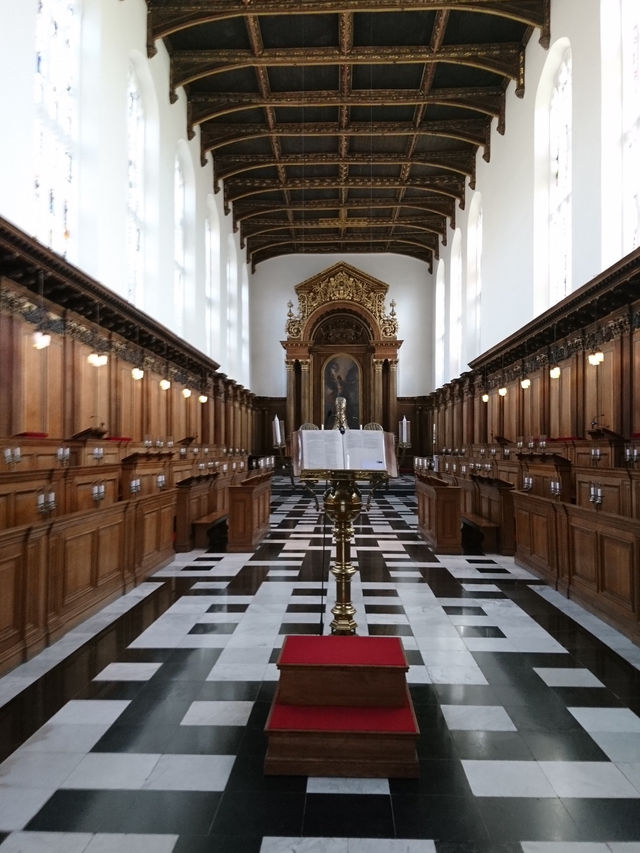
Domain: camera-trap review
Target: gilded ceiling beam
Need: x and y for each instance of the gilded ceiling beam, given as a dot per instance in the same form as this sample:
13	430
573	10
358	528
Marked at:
171	17
474	131
240	188
461	163
488	101
334	248
502	58
438	205
265	226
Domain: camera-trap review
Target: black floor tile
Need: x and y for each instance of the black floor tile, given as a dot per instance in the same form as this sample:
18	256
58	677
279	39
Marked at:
216	843
491	746
179	812
260	813
453	818
352	816
528	818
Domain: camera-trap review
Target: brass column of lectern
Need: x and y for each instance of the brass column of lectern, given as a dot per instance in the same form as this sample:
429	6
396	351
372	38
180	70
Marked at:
343	503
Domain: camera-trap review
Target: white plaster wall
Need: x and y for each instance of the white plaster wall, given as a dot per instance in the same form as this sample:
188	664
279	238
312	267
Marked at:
273	285
111	31
506	182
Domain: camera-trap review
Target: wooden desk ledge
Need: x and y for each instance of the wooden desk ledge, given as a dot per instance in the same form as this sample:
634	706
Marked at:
478	521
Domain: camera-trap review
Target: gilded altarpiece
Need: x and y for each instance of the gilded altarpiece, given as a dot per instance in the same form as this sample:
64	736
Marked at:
341	342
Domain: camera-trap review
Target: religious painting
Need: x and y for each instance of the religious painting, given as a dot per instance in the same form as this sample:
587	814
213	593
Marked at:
341	378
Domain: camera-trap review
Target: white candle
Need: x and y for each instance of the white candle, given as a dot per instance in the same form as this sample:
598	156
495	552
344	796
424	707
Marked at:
277	438
40	501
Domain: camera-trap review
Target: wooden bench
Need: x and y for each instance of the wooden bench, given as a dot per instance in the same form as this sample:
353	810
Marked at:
203	526
488	529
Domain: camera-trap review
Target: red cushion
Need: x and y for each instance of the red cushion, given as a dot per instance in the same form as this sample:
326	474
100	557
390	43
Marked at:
336	718
342	651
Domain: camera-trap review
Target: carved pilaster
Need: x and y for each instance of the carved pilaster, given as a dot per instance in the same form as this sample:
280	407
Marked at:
290	425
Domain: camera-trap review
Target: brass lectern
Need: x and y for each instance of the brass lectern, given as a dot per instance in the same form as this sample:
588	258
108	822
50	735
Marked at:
343	458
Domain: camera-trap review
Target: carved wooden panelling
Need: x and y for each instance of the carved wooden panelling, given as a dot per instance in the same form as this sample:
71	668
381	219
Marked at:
78	565
584	552
110	544
617	569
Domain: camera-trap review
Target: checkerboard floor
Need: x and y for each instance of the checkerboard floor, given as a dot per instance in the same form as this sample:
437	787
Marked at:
142	729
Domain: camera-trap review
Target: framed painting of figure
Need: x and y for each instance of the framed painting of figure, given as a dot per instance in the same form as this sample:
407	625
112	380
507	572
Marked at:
341	378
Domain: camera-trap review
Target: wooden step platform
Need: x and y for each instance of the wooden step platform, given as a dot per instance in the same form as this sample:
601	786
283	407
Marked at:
342	708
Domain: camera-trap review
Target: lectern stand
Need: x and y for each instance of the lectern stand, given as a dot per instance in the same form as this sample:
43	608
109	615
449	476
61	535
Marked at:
342	501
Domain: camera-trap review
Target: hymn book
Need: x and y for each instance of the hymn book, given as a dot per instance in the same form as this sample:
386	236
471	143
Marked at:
353	450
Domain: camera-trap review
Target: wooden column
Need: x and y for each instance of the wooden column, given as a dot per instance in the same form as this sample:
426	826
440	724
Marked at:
291	388
377	409
219	422
305	391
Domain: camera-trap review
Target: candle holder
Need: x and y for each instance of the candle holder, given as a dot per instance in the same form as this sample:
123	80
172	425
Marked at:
595	456
631	456
135	486
98	454
98	492
12	455
595	495
555	487
63	455
527	483
46	502
161	481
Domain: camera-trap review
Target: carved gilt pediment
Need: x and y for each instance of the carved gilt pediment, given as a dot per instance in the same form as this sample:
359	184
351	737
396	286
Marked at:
347	285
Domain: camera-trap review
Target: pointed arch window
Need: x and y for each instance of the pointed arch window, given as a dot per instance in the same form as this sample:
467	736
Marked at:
455	306
439	327
630	142
179	245
560	182
212	275
56	108
553	179
473	290
135	190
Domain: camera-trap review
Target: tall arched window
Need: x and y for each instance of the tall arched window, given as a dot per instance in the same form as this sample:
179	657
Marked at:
473	289
439	327
56	100
232	306
630	125
620	47
179	245
455	306
553	184
244	327
212	276
135	190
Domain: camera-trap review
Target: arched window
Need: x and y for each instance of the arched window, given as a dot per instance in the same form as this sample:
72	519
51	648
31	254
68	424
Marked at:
620	28
179	245
630	125
212	276
553	185
135	190
244	327
473	290
56	96
455	306
232	306
439	327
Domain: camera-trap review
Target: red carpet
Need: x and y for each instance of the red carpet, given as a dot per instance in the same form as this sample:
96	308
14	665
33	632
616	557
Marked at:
332	718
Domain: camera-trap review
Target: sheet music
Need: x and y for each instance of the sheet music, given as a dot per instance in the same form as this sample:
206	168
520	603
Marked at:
321	450
330	450
364	450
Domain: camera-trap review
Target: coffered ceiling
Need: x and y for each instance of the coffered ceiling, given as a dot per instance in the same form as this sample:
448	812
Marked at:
340	126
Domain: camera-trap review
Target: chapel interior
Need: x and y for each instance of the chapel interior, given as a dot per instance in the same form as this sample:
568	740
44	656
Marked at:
236	232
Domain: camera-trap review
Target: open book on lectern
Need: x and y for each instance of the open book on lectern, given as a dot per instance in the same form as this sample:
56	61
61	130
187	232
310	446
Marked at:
354	450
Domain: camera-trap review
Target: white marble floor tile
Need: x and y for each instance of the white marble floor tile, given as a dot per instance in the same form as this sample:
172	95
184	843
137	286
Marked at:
489	718
607	719
47	842
618	746
236	672
480	587
190	773
90	711
112	771
507	779
19	805
391	845
25	769
128	672
340	785
631	770
274	844
103	842
566	677
456	675
200	641
59	737
228	713
588	779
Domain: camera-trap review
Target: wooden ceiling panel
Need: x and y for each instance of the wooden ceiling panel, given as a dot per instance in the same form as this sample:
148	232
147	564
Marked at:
341	126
